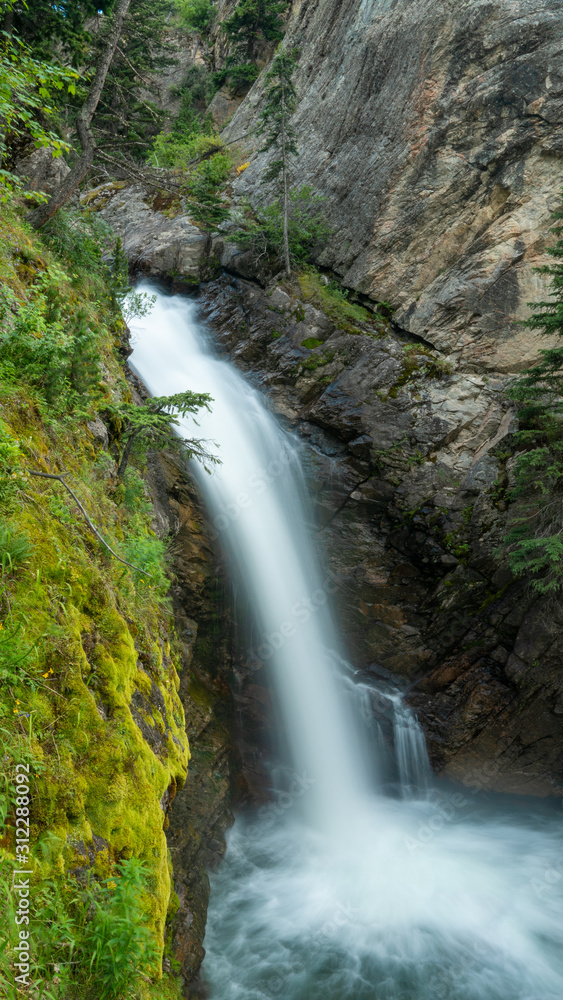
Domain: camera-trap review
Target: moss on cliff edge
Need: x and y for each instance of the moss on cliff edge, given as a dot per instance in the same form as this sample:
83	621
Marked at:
89	696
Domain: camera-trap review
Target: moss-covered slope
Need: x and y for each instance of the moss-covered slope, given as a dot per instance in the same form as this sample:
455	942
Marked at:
89	685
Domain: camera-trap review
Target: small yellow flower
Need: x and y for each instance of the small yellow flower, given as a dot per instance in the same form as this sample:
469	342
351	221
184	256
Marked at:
242	167
1	626
46	675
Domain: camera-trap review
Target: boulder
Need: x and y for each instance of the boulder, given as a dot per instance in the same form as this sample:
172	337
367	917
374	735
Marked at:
42	170
158	240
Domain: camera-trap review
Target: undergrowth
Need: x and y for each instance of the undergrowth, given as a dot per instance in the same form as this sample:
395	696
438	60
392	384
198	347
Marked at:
83	638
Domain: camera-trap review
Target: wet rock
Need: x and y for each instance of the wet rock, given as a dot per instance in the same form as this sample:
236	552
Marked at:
404	474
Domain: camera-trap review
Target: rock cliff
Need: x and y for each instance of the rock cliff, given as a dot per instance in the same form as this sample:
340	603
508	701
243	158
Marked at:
434	130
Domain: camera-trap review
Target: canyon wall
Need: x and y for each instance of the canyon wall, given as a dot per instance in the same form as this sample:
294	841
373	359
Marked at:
435	132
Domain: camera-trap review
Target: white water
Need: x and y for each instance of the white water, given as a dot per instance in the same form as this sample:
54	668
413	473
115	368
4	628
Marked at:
331	892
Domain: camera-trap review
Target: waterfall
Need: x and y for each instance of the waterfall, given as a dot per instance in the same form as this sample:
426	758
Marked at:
336	892
255	497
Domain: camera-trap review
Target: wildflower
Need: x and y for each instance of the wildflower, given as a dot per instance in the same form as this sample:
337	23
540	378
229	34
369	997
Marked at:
242	167
46	675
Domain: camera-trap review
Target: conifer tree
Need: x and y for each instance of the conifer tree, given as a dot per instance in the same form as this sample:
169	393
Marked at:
536	529
253	20
280	101
154	425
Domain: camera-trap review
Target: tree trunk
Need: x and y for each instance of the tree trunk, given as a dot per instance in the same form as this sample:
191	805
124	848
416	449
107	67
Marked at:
43	213
126	454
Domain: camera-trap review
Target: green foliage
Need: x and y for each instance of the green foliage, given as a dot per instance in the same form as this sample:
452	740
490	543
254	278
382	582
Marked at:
15	548
26	103
317	361
535	536
280	102
154	423
117	946
196	15
310	343
333	300
182	154
12	476
204	186
74	626
91	940
253	21
44	24
53	351
263	234
126	120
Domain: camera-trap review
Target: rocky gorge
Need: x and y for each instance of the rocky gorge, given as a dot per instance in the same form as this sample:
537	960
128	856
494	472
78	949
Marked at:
435	134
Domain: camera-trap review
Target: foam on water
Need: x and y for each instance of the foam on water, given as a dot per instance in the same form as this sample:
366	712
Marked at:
333	892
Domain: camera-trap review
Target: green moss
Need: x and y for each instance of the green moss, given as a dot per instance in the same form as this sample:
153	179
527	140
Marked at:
335	302
318	361
76	623
419	363
310	343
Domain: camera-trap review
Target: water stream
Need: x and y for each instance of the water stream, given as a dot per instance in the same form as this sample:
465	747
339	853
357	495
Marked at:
342	888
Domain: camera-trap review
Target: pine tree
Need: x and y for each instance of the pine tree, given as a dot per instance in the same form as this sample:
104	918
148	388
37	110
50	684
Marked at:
536	532
154	425
280	101
253	20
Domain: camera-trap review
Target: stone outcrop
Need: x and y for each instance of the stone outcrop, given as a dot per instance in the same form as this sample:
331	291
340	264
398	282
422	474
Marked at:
157	236
41	171
435	132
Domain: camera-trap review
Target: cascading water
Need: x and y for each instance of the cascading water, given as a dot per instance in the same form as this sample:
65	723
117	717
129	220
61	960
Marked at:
333	892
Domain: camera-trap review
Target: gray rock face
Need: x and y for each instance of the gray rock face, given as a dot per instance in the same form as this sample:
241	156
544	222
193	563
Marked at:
154	242
42	170
435	132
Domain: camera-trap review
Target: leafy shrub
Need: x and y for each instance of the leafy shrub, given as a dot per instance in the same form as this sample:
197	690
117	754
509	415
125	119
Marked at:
91	942
51	351
308	228
204	185
26	86
196	15
117	945
180	154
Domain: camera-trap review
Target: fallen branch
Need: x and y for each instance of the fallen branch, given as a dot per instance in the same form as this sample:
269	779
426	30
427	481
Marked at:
49	475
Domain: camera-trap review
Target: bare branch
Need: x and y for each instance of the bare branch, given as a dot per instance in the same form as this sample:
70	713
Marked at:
49	475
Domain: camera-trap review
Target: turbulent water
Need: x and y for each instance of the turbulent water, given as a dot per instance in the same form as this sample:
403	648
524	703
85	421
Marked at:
346	885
